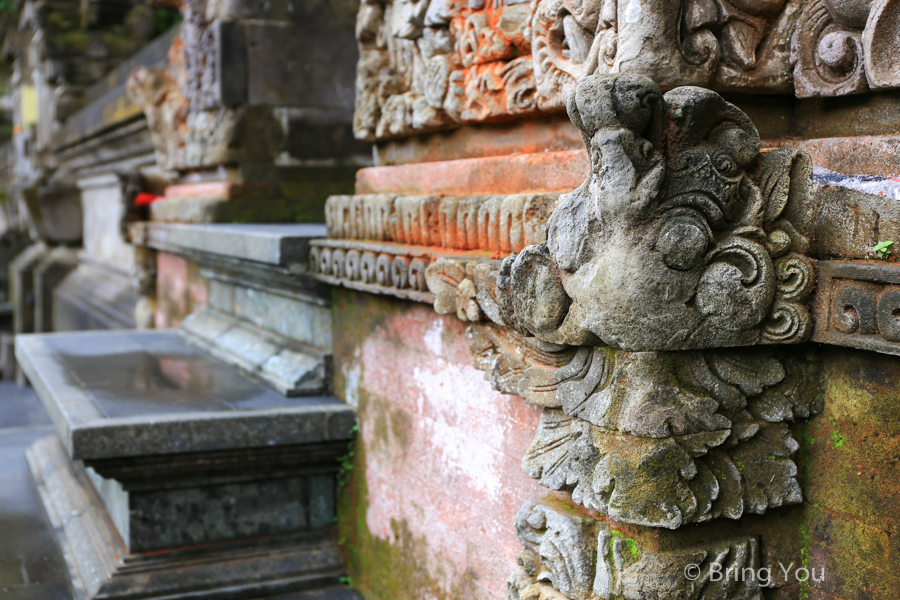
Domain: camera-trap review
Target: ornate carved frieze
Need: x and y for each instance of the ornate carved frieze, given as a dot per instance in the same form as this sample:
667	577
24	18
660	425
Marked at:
858	305
572	557
427	65
500	223
846	47
393	269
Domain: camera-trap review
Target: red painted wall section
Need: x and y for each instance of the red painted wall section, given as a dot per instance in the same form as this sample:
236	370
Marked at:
429	507
179	289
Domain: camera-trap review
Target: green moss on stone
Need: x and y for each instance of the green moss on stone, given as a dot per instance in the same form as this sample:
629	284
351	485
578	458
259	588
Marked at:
381	569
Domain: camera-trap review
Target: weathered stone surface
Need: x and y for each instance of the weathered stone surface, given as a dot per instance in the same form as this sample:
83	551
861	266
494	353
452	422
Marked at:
682	223
572	557
539	172
847	467
93	549
430	503
119	394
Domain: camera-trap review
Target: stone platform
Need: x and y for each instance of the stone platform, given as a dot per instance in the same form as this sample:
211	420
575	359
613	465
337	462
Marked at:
173	476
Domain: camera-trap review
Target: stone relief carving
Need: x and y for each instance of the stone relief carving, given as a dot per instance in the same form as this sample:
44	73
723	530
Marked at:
658	438
857	306
504	223
427	65
845	47
570	556
396	269
680	238
189	126
679	245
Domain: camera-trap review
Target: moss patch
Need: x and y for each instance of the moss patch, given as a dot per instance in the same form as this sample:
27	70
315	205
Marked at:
379	569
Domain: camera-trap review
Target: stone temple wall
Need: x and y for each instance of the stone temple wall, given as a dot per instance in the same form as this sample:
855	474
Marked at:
645	442
437	480
613	305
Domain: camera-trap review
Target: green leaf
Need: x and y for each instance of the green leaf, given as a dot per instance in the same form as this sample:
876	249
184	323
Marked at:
882	246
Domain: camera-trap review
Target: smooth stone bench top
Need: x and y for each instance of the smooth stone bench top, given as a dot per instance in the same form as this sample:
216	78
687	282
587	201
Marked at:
115	394
275	244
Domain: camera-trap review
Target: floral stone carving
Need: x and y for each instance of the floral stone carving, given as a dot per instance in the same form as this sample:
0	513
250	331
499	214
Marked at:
569	556
659	438
681	237
427	65
625	324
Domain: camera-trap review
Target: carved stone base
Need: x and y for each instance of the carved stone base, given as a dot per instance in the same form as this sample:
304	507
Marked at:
101	567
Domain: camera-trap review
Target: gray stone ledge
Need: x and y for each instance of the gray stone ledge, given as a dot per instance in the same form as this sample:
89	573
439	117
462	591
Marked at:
273	244
120	393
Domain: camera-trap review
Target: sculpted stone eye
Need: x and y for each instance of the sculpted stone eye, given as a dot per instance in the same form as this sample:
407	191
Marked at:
682	242
724	164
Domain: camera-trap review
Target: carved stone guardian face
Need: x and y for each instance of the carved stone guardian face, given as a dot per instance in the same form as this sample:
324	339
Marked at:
679	237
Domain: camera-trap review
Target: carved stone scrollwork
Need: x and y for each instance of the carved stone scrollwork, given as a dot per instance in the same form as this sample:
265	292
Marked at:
396	270
658	438
572	557
682	237
426	66
846	47
828	52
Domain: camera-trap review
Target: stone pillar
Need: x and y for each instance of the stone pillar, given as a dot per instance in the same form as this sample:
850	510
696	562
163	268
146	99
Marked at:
251	122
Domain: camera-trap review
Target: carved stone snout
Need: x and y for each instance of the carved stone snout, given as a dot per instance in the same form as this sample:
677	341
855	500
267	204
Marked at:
680	238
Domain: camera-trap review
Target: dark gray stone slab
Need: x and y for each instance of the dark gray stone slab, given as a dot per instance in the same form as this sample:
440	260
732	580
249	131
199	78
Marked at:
100	566
120	393
273	244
